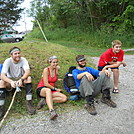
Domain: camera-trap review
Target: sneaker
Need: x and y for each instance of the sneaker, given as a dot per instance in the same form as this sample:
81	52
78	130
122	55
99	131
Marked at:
30	107
53	114
41	103
109	102
91	109
2	112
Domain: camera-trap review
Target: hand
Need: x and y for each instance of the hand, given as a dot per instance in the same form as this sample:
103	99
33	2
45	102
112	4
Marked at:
105	68
108	73
13	84
89	76
124	64
59	90
19	83
60	79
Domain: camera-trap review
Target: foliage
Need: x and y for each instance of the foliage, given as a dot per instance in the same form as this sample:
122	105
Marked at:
78	39
91	15
9	13
125	22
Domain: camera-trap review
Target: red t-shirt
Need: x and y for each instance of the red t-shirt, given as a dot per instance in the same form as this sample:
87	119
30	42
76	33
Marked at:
109	56
51	80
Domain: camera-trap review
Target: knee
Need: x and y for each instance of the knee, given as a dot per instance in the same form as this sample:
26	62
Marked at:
103	75
48	91
45	92
28	80
2	84
64	98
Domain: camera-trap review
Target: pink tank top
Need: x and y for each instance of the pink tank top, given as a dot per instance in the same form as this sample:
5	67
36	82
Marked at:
51	80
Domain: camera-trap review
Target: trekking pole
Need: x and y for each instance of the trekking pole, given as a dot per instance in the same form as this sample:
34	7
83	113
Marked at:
17	90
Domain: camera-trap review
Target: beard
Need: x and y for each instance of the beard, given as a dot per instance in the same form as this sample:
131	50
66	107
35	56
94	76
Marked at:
82	66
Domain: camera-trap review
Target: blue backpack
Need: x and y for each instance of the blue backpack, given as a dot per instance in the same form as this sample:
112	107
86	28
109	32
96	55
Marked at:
1	65
70	85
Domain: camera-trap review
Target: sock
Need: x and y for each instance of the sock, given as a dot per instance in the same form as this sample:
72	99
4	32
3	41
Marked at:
106	93
2	96
28	91
89	99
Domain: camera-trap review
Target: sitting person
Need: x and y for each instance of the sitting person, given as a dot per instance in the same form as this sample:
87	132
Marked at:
89	87
16	72
112	58
46	87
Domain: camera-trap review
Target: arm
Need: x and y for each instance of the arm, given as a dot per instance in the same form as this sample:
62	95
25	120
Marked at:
57	69
108	73
25	76
6	79
112	65
88	75
124	64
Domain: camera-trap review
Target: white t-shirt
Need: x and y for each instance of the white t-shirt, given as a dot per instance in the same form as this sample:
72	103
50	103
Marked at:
13	70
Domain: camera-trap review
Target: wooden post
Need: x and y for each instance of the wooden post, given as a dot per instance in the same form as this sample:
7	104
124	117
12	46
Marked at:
42	30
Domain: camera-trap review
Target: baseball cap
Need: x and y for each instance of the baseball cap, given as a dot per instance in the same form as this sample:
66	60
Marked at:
80	58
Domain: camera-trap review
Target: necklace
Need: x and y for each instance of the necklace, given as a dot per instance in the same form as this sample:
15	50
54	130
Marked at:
52	72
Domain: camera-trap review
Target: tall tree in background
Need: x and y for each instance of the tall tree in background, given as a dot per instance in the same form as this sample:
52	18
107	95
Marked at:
9	13
40	10
89	14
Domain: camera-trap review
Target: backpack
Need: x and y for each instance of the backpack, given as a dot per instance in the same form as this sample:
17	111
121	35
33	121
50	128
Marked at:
1	65
70	85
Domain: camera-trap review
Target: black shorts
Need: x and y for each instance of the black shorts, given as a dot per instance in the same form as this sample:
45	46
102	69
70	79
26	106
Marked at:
38	90
100	68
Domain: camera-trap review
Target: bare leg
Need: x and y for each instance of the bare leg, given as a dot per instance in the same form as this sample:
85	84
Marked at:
115	77
46	92
59	97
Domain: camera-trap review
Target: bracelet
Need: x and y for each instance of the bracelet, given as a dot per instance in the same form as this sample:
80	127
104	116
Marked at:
54	89
22	79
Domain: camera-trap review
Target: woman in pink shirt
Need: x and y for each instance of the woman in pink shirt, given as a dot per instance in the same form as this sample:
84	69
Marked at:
46	87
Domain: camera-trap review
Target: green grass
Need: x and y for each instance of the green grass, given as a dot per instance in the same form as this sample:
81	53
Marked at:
82	37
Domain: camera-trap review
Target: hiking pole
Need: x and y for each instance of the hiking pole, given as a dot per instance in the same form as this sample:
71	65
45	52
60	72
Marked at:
17	90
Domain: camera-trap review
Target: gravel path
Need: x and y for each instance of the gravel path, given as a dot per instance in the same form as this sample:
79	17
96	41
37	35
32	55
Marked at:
109	120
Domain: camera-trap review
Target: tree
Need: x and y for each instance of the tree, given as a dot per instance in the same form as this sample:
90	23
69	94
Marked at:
87	14
9	13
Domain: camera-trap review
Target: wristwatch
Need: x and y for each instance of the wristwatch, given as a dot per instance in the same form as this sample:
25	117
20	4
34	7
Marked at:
22	80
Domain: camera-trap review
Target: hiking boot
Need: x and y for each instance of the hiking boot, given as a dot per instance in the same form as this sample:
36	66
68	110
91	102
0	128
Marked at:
30	107
90	108
2	112
41	103
53	114
109	102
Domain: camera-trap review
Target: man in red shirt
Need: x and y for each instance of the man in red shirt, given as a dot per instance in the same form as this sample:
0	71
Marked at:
112	58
